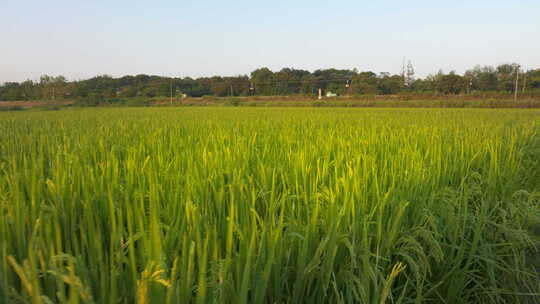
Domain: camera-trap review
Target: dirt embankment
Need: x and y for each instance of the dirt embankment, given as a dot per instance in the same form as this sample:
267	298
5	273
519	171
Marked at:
35	103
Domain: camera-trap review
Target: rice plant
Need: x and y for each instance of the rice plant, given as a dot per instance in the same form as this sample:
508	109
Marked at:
254	205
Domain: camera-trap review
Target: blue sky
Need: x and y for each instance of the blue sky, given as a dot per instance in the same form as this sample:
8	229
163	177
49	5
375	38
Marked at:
81	39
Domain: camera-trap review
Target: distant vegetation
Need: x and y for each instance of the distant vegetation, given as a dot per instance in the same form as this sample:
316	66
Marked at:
287	82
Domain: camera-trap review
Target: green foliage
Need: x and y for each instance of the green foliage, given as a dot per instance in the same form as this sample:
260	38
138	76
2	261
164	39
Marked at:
285	82
91	100
450	84
251	205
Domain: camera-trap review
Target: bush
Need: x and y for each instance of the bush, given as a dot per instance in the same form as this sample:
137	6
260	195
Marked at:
90	100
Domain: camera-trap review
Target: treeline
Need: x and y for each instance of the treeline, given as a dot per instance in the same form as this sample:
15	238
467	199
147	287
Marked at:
264	82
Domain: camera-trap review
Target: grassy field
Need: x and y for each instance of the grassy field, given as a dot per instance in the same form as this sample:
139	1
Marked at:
269	205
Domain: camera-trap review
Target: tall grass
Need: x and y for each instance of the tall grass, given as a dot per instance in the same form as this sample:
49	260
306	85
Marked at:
206	205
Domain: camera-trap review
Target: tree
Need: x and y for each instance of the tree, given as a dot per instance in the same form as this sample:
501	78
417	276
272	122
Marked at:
389	84
365	83
262	80
287	81
506	74
52	87
482	78
450	83
533	79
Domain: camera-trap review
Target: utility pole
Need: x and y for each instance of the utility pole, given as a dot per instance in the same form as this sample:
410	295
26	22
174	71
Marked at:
517	83
320	93
524	82
170	87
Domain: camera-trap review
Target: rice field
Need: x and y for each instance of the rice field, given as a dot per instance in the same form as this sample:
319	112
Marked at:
270	205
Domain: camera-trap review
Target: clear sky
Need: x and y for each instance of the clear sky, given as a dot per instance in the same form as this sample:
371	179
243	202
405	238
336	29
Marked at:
81	39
